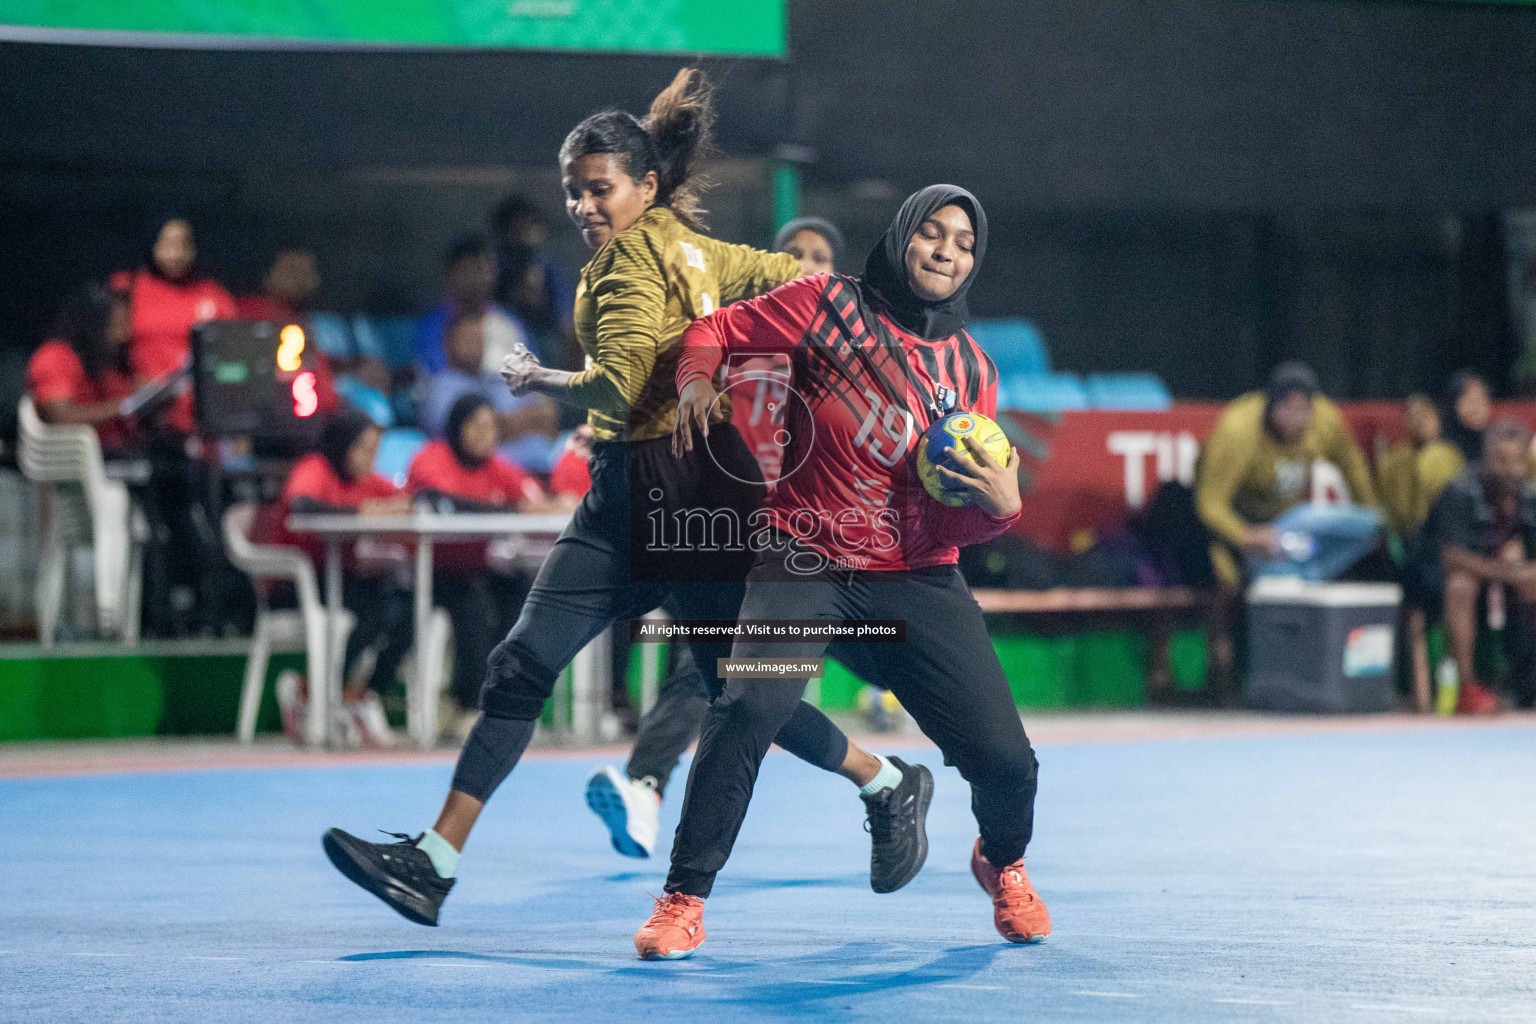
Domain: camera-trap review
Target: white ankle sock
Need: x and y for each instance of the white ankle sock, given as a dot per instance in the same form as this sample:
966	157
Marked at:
888	777
445	859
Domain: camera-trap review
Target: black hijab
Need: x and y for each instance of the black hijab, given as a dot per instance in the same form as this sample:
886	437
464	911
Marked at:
458	414
1467	440
885	272
338	436
152	235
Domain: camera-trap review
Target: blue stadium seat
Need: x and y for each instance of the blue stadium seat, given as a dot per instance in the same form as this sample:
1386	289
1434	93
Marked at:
1016	346
1128	391
390	339
397	448
366	399
1042	392
333	334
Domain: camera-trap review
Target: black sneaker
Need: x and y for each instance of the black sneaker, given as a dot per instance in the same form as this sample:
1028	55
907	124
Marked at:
397	873
897	825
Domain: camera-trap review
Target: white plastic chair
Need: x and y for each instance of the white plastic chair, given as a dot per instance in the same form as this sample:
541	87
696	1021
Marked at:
303	628
423	689
652	664
71	454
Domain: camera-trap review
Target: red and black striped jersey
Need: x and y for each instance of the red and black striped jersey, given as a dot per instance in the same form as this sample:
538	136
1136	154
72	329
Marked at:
758	387
861	392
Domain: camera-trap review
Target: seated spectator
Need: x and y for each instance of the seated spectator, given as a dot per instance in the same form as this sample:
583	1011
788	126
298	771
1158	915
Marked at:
286	292
81	374
287	289
184	570
339	477
1410	477
1261	460
526	424
169	296
815	242
533	285
1467	412
1481	551
571	477
483	600
469	277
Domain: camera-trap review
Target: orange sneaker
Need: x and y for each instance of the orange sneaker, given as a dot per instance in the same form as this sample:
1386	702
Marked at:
1017	910
1473	698
675	930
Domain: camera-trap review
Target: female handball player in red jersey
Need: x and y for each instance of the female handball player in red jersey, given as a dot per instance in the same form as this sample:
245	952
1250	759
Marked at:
855	536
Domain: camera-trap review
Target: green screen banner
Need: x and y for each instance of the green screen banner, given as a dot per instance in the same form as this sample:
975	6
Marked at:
748	28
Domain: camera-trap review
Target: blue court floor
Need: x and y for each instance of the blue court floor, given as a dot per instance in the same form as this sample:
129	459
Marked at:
1344	877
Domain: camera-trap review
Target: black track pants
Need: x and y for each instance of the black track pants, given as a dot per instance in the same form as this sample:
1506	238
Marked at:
946	675
612	565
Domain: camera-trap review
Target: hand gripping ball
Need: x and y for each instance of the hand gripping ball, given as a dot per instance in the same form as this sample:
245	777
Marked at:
943	444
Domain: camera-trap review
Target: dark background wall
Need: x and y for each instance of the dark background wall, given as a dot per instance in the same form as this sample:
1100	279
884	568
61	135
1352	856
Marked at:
1197	187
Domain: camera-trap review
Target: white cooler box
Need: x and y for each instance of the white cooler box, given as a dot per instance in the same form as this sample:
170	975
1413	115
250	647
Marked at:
1322	647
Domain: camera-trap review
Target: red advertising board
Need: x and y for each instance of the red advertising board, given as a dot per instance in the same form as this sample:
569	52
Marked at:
1084	471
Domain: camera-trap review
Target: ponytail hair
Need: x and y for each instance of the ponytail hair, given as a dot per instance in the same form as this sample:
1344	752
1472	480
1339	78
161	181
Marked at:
671	139
681	124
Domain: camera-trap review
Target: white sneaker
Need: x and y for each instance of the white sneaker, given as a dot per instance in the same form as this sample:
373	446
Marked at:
369	714
342	729
291	703
631	808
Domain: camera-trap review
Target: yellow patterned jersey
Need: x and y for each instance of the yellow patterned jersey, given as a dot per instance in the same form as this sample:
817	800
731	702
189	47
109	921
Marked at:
633	302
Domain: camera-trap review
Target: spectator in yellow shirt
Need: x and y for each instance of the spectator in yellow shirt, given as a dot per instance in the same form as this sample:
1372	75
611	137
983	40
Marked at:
1261	458
1410	476
1260	461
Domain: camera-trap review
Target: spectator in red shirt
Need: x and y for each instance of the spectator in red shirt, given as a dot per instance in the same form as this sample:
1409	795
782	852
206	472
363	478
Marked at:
81	375
339	477
286	293
287	289
571	477
169	296
482	597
